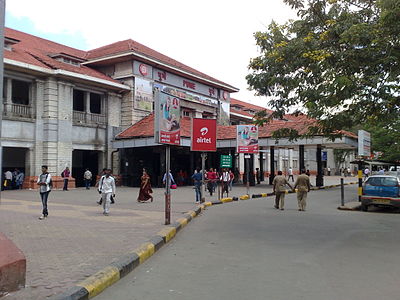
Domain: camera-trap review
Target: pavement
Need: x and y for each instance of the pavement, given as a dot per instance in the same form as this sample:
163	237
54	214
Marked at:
77	241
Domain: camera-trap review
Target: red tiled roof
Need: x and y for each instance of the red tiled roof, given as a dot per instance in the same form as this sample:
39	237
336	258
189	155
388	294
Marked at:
247	105
129	45
145	128
35	51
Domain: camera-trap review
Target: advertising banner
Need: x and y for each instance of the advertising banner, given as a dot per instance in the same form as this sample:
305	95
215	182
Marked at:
247	138
143	94
204	135
167	121
364	143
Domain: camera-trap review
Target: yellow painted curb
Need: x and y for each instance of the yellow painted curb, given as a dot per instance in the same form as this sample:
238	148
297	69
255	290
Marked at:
224	200
96	283
202	206
192	213
208	203
264	195
182	221
168	233
244	197
144	251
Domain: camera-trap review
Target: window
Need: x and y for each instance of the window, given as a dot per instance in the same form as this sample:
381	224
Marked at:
95	103
295	164
78	101
20	92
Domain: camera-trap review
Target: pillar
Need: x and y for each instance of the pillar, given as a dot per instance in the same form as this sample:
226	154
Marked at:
261	158
320	177
301	158
272	164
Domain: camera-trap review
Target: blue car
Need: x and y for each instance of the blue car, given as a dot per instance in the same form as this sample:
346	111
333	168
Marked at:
381	190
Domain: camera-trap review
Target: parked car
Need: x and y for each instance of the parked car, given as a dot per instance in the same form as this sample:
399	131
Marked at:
381	190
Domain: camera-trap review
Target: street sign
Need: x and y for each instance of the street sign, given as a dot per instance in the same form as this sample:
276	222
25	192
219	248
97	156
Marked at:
364	143
247	138
226	161
204	135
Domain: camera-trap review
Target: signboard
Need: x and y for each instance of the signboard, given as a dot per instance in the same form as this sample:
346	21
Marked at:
226	161
247	138
142	69
324	156
184	83
167	121
364	143
204	135
143	94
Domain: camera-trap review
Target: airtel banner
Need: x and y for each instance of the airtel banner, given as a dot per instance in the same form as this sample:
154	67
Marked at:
204	135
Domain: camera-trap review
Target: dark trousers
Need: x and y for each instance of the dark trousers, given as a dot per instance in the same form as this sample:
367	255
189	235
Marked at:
65	188
291	176
87	183
44	197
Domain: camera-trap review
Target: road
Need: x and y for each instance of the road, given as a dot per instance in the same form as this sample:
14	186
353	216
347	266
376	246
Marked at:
249	250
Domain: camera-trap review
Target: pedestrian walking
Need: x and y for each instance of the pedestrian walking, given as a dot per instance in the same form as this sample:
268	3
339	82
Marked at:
103	172
171	178
107	189
197	179
329	171
225	178
303	187
290	173
279	184
87	176
20	179
366	172
45	184
65	175
145	188
232	178
8	180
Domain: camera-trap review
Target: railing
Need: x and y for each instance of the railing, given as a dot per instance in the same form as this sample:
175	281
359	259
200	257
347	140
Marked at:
88	118
18	110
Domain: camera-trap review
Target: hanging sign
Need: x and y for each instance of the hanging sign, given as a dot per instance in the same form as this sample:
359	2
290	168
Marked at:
247	138
204	135
167	120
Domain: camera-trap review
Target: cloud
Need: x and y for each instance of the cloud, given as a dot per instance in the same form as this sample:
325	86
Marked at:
214	37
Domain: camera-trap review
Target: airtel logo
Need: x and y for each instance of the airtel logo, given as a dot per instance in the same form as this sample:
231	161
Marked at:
204	131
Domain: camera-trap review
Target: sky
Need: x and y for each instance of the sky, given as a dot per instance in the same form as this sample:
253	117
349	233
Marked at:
213	36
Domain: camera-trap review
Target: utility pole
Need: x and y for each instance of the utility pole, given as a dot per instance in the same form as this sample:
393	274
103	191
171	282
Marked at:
2	19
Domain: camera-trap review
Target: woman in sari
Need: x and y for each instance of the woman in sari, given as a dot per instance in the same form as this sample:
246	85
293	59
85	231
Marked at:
145	188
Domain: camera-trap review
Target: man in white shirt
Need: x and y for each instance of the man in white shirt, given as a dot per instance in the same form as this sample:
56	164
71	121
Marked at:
8	177
45	184
366	172
290	173
107	189
225	178
88	178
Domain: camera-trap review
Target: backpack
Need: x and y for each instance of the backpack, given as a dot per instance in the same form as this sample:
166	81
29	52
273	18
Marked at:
50	182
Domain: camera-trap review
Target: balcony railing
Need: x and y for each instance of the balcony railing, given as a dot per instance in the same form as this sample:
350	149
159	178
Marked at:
18	110
81	117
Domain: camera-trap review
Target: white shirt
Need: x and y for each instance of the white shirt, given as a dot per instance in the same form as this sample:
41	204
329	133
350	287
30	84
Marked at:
225	177
290	172
44	178
87	175
8	175
107	185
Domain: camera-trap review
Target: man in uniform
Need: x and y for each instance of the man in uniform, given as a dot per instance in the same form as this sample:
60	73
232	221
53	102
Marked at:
303	187
279	184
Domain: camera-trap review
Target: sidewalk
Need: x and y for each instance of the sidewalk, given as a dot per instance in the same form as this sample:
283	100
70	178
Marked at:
77	240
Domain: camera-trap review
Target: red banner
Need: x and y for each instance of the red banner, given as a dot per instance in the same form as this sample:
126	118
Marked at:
204	135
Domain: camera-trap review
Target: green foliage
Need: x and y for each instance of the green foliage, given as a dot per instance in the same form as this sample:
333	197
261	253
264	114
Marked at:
339	63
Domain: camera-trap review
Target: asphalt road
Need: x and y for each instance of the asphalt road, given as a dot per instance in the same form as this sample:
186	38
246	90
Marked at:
249	250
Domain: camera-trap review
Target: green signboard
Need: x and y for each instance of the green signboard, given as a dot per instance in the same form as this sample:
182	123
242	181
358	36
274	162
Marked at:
226	161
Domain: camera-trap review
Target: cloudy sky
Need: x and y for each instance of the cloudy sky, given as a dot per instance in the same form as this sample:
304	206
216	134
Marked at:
214	37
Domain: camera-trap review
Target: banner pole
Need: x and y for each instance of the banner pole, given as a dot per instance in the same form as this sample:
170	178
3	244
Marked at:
167	186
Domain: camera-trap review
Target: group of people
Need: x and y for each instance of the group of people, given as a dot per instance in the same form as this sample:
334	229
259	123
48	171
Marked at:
302	185
13	180
106	188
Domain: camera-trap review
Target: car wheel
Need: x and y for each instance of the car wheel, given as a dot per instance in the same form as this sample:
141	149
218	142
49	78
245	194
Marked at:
364	207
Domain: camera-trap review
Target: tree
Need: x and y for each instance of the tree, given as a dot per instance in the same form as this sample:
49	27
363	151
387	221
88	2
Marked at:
339	64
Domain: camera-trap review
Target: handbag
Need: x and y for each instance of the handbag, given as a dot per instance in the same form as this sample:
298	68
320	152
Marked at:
173	186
